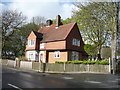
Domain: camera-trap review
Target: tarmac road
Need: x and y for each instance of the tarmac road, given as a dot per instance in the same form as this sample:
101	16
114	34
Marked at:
20	79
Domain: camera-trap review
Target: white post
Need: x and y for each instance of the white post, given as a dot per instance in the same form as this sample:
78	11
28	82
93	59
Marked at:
64	66
109	65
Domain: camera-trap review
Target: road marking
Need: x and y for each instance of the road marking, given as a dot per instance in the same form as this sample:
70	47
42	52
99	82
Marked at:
92	82
14	86
67	77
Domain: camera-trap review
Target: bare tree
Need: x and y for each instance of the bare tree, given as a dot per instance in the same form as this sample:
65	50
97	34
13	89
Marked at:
39	20
11	20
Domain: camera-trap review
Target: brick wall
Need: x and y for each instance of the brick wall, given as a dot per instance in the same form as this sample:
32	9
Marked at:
63	57
55	45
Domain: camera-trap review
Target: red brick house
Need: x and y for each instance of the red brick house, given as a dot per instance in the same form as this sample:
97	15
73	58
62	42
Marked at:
56	42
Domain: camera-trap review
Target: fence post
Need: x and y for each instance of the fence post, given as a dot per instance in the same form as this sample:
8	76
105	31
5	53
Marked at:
109	65
88	67
64	66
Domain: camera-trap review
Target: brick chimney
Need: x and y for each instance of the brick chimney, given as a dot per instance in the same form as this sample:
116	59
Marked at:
58	21
49	22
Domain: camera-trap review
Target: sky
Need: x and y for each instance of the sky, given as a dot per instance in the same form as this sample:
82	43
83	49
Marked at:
46	8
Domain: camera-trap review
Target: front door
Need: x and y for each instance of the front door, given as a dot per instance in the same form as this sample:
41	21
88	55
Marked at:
42	59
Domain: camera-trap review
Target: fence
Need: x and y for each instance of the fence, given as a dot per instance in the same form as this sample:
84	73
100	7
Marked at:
54	67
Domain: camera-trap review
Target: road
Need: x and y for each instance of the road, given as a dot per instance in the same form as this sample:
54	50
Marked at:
12	78
20	79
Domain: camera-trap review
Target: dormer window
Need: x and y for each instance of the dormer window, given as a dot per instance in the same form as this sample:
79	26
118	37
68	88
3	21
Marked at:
31	43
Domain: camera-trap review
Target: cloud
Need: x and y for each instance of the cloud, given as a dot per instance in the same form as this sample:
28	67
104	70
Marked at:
47	9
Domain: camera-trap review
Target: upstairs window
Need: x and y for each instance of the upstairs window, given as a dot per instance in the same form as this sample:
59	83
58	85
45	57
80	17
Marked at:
31	43
57	54
75	42
42	45
78	42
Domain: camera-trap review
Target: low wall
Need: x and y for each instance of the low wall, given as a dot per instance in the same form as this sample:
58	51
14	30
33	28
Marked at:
26	65
11	63
54	67
4	61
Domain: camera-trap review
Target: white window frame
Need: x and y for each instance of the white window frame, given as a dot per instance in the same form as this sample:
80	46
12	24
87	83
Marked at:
31	42
31	55
75	42
78	43
57	54
42	45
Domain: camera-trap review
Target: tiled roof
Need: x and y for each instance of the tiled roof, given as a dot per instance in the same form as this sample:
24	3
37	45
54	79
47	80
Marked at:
52	33
39	35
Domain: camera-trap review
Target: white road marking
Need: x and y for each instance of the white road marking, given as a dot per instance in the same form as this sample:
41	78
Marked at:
67	77
14	86
92	82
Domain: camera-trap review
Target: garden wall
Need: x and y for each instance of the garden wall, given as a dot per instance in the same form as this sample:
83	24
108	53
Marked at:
55	67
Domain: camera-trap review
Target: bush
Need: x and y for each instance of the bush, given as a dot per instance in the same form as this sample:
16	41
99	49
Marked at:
23	58
103	62
60	62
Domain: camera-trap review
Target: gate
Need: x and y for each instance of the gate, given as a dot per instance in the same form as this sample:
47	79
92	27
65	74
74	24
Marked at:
118	67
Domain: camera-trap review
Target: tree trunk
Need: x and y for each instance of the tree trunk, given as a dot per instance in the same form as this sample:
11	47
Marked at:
99	52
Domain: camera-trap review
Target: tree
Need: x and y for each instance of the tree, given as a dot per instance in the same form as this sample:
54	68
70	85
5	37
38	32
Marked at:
39	20
97	21
11	21
91	50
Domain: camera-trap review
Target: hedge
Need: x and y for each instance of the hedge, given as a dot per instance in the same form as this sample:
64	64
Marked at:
102	62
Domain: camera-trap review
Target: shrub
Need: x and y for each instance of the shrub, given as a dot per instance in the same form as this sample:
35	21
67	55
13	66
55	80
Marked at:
103	62
60	62
78	62
23	58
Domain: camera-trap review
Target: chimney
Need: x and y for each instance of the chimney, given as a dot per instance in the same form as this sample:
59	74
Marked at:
58	21
49	22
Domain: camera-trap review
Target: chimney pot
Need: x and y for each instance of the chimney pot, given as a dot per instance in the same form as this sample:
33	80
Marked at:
49	22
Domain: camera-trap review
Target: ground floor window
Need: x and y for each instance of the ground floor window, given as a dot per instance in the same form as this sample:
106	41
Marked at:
75	55
31	56
57	54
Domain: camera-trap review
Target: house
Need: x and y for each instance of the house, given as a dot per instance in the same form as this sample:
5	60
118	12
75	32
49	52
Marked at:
56	42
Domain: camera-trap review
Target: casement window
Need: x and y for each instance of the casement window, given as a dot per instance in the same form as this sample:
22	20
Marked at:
31	56
31	43
57	54
42	45
75	42
75	55
78	42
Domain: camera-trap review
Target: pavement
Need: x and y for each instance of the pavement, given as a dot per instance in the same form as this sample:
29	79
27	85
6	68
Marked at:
19	78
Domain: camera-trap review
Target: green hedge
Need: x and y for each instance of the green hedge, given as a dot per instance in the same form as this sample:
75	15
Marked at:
102	62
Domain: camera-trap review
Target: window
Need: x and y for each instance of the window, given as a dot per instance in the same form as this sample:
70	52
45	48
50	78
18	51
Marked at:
31	56
78	43
75	42
57	54
31	43
41	45
75	55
